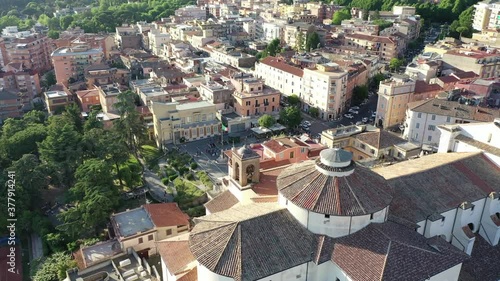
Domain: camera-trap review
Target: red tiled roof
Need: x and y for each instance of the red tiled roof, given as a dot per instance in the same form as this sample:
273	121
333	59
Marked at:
372	38
176	255
221	202
192	275
166	214
424	87
267	182
283	66
465	75
87	93
448	79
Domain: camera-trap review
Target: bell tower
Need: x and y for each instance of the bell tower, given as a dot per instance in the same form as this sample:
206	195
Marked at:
245	166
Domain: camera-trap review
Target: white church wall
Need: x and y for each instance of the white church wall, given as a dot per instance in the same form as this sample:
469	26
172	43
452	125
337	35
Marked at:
448	275
321	272
441	227
204	274
297	273
297	212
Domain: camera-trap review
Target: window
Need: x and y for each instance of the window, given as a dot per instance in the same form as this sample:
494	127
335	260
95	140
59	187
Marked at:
140	240
431	128
169	232
362	146
442	219
371	216
372	151
150	237
417	126
433	117
251	89
429	138
448	119
291	155
327	216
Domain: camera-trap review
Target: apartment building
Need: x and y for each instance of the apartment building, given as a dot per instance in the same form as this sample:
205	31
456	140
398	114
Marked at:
423	117
486	64
176	123
233	58
157	41
325	87
218	94
87	99
57	100
70	62
486	16
393	96
10	105
385	47
32	52
140	228
252	97
279	75
95	41
102	74
108	97
271	31
128	37
26	82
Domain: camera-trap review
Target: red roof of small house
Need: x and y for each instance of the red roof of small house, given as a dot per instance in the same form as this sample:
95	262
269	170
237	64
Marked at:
166	214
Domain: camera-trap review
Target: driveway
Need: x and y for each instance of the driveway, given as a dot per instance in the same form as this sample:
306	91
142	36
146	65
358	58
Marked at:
157	189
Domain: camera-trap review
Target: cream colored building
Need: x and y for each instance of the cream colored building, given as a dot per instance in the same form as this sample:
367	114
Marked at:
325	88
393	96
179	122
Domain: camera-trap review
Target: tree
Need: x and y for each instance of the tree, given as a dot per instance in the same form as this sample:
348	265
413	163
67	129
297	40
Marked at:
130	126
340	15
272	48
314	112
50	79
359	94
95	197
294	100
395	64
290	116
312	41
61	148
72	112
65	22
53	34
54	267
299	41
266	121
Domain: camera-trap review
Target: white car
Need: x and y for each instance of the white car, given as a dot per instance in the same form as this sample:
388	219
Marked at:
307	123
355	107
364	120
374	114
348	116
353	111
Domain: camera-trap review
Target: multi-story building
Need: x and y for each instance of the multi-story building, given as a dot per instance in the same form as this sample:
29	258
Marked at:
140	228
95	41
157	41
57	100
176	123
486	16
10	104
152	93
252	97
128	37
271	31
279	75
32	52
26	82
108	96
423	117
484	64
233	58
70	63
393	96
189	13
218	94
101	74
87	99
422	71
385	47
325	87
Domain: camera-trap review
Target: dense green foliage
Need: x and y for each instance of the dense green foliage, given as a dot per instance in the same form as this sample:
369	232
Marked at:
294	100
266	121
312	41
395	64
341	15
359	94
54	267
272	49
314	112
290	116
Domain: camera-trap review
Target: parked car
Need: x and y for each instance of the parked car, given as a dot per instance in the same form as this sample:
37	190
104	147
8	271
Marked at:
359	123
355	107
364	120
353	111
307	123
348	116
374	114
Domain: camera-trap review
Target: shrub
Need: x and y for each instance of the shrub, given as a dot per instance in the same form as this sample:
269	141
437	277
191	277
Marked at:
190	176
172	177
165	181
194	166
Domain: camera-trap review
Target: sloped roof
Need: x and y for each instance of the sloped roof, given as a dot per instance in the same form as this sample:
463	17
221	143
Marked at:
380	139
176	255
360	193
392	252
221	202
439	182
251	242
166	214
483	264
455	109
192	275
283	66
481	145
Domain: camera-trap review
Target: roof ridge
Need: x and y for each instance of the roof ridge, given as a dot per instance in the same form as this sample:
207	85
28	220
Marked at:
284	187
306	186
385	259
320	247
226	223
354	195
225	245
322	189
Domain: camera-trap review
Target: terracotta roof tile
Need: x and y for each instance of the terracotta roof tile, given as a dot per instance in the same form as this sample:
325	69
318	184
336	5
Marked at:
424	87
176	255
166	214
439	182
455	109
360	193
392	252
221	202
251	242
448	79
192	275
282	65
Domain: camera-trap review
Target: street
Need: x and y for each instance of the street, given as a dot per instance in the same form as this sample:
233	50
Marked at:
317	126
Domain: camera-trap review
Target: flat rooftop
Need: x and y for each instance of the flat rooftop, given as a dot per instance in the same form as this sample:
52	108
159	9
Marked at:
67	51
194	105
56	94
132	222
100	252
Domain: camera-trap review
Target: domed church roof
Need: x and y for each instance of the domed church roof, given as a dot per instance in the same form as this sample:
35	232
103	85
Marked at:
333	184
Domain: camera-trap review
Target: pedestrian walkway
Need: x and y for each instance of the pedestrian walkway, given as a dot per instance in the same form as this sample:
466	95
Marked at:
36	246
157	189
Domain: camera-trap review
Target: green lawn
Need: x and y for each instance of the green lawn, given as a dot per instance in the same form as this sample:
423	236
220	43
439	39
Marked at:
151	155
